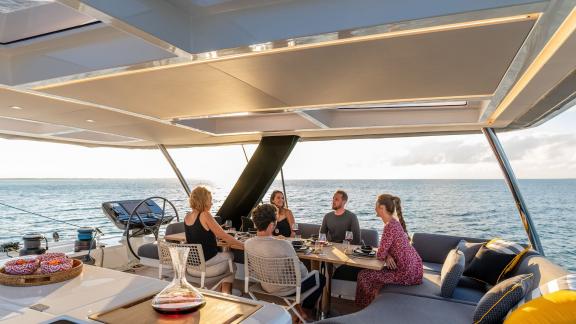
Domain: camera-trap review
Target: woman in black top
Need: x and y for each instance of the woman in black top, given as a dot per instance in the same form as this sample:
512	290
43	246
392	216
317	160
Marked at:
201	228
285	217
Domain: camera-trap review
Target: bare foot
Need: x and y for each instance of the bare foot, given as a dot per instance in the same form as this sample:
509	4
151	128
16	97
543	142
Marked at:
226	288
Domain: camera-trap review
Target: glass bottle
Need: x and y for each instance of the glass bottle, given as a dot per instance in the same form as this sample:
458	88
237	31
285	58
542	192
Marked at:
179	296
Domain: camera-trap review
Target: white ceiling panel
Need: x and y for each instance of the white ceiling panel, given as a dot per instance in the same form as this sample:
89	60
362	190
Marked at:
33	18
191	90
30	127
96	137
451	63
273	122
462	62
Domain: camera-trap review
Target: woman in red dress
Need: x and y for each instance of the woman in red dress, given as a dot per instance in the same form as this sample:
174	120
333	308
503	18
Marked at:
404	265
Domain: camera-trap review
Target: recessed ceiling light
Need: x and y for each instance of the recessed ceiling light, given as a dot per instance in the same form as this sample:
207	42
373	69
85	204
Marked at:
16	107
89	120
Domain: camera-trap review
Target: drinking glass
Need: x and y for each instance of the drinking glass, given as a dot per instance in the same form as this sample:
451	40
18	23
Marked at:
179	296
320	243
228	224
348	237
296	230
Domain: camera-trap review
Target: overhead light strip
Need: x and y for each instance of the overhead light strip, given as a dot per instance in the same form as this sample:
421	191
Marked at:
565	30
408	105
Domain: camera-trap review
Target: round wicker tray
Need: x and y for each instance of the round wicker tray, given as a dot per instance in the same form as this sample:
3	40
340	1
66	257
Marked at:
40	279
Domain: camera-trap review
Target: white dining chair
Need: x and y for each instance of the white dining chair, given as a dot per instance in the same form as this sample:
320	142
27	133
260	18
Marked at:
194	264
283	272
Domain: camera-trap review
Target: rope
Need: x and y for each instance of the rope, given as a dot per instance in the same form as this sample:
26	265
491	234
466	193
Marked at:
244	150
50	218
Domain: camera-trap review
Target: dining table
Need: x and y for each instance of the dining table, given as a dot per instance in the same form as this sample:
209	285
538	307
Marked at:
330	255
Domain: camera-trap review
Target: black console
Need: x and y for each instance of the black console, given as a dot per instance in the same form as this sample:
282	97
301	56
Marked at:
123	211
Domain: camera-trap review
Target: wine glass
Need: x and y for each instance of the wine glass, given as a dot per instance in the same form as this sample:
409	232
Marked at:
228	224
296	231
320	243
348	237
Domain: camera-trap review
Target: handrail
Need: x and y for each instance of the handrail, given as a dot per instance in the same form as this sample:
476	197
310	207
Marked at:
512	183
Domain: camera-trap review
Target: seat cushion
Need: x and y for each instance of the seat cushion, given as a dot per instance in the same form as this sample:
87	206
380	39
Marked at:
432	267
542	268
469	249
430	288
399	308
148	250
451	272
472	283
567	282
488	265
175	228
370	236
435	247
557	307
496	303
306	229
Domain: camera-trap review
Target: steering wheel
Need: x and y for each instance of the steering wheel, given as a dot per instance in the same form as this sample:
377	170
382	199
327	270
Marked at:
139	226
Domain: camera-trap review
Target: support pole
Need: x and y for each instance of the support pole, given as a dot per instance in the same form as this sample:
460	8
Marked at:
181	178
512	183
284	187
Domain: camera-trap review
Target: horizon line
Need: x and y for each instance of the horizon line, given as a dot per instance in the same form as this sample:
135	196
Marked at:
312	179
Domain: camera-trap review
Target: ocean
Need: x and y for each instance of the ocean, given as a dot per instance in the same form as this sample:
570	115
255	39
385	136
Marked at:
476	208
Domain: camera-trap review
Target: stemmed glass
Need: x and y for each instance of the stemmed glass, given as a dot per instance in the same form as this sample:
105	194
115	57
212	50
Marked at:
320	243
296	231
348	237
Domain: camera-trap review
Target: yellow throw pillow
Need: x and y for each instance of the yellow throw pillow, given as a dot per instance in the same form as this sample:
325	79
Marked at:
558	307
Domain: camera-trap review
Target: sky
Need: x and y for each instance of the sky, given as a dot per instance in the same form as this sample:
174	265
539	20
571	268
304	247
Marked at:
546	151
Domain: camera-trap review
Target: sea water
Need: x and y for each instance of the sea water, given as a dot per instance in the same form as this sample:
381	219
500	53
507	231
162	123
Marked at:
475	208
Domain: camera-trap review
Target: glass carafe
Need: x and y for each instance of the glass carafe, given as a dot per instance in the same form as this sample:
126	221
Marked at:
179	296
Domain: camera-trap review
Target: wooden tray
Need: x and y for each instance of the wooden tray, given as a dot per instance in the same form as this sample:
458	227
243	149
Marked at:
40	279
218	309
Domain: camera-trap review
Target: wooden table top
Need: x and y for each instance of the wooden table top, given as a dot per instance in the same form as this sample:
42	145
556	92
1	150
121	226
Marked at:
334	253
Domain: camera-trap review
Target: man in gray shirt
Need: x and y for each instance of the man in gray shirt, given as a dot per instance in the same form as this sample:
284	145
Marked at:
265	245
337	222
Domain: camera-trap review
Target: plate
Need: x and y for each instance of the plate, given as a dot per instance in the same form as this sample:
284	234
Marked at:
301	249
359	252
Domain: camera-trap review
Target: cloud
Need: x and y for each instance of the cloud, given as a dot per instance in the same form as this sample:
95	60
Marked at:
517	147
455	152
547	147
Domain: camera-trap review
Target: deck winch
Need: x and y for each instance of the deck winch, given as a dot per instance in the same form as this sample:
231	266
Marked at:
33	244
85	239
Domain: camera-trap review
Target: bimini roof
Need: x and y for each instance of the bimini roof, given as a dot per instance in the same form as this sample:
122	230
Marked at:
206	72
